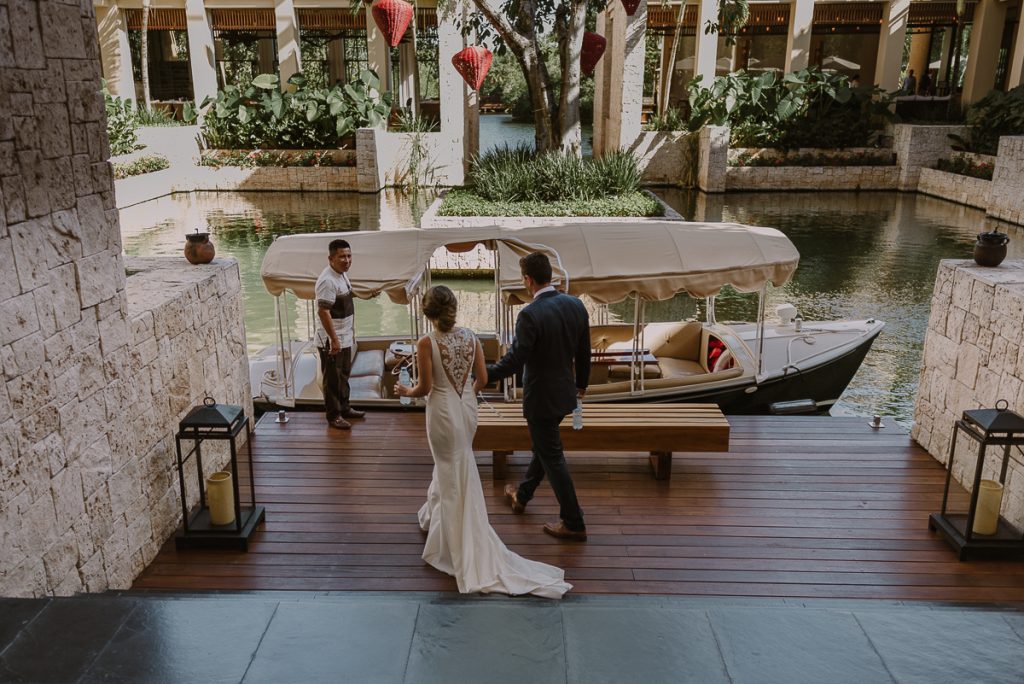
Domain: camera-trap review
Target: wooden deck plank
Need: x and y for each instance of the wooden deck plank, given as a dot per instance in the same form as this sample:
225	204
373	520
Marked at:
801	507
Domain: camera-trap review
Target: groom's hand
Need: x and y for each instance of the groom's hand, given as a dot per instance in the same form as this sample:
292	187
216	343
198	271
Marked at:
580	393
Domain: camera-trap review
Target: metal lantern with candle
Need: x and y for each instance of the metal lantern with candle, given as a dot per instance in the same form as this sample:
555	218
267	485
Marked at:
980	532
220	520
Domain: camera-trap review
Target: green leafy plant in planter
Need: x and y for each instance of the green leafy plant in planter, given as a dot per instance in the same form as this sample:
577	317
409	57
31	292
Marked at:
137	167
516	181
806	108
121	124
993	116
262	116
967	167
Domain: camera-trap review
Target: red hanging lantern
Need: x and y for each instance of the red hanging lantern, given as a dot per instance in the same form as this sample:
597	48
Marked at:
593	48
392	18
630	6
473	64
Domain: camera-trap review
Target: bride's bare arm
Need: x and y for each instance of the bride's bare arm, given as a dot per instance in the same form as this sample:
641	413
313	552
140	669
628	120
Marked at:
479	369
424	364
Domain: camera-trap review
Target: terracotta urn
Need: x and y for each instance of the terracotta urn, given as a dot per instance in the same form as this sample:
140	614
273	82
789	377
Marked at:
198	248
990	249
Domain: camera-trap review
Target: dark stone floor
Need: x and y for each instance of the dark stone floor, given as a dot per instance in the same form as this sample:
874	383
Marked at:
300	637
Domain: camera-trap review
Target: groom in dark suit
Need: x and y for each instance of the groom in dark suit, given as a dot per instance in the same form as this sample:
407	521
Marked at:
552	350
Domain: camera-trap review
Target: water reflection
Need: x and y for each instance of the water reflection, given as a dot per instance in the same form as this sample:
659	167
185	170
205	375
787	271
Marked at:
862	255
242	225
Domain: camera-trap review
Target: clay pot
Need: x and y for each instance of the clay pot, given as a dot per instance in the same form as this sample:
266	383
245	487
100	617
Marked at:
990	249
198	248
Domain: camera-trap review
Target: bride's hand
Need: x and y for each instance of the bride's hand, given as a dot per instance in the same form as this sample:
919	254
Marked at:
401	390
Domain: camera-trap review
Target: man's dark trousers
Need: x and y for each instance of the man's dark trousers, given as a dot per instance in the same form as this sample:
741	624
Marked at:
549	459
337	368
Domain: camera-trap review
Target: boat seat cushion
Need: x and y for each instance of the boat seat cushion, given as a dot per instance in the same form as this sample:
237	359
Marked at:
368	362
603	336
679	368
620	371
364	387
680	341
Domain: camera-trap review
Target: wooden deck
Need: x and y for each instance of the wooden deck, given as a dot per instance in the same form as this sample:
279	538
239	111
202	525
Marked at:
799	507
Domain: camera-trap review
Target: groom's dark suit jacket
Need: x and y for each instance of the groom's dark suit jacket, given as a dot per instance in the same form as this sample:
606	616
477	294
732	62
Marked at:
552	349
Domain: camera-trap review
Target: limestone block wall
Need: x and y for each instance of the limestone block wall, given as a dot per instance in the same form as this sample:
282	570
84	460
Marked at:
712	158
973	357
919	147
386	159
974	192
85	499
666	158
1006	201
811	177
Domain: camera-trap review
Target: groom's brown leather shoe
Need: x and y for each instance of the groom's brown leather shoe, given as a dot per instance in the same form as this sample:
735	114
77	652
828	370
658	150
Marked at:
340	424
560	531
512	494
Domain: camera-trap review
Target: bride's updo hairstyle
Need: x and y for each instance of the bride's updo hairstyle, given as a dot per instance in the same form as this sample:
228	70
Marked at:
440	306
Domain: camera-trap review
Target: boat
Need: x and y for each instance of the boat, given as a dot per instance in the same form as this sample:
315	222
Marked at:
785	365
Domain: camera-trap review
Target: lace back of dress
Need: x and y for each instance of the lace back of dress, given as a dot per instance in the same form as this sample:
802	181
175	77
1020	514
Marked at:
456	349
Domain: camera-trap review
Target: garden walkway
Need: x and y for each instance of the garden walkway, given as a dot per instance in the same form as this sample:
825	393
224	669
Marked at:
800	507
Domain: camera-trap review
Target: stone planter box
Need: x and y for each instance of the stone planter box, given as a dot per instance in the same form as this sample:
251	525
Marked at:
973	192
294	178
880	156
666	157
811	177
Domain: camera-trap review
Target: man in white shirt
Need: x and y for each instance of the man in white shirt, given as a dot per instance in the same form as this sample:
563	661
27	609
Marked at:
335	335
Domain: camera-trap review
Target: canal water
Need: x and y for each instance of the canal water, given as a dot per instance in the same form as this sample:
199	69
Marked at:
863	255
499	129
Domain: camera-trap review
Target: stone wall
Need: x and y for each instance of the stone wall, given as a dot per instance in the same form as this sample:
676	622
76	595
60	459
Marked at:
712	158
383	159
85	496
956	187
973	357
666	158
1006	200
811	177
919	147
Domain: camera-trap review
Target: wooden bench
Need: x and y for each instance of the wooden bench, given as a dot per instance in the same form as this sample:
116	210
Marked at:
658	429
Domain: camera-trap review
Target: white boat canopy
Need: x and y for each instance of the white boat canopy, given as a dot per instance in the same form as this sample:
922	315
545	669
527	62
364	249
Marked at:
656	259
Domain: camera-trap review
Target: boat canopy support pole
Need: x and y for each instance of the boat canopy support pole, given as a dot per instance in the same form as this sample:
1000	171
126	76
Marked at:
761	302
710	313
282	356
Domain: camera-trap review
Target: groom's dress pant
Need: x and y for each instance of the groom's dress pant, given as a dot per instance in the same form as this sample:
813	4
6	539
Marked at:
549	459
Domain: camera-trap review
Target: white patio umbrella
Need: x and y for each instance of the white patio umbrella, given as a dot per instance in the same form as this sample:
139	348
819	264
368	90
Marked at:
836	62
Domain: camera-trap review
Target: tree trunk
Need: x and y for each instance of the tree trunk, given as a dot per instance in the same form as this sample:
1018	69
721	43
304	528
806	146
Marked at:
666	79
569	28
144	49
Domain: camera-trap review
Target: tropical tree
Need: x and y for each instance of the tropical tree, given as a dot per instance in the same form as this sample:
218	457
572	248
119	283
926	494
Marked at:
145	53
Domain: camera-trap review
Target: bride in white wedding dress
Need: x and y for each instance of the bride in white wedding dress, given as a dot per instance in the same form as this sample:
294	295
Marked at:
460	539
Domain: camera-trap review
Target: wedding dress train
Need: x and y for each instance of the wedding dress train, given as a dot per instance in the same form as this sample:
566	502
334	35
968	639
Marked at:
460	539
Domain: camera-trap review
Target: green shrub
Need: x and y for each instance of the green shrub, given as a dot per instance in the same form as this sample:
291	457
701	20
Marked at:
137	167
806	108
993	116
967	167
121	124
155	116
261	116
518	174
464	202
671	120
254	158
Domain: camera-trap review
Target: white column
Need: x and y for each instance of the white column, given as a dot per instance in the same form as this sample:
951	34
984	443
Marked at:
707	43
200	51
378	53
798	42
890	44
407	95
619	84
115	54
453	90
602	97
947	47
983	53
289	59
1016	76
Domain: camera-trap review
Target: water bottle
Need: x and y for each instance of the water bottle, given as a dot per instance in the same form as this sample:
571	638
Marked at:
577	415
405	379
